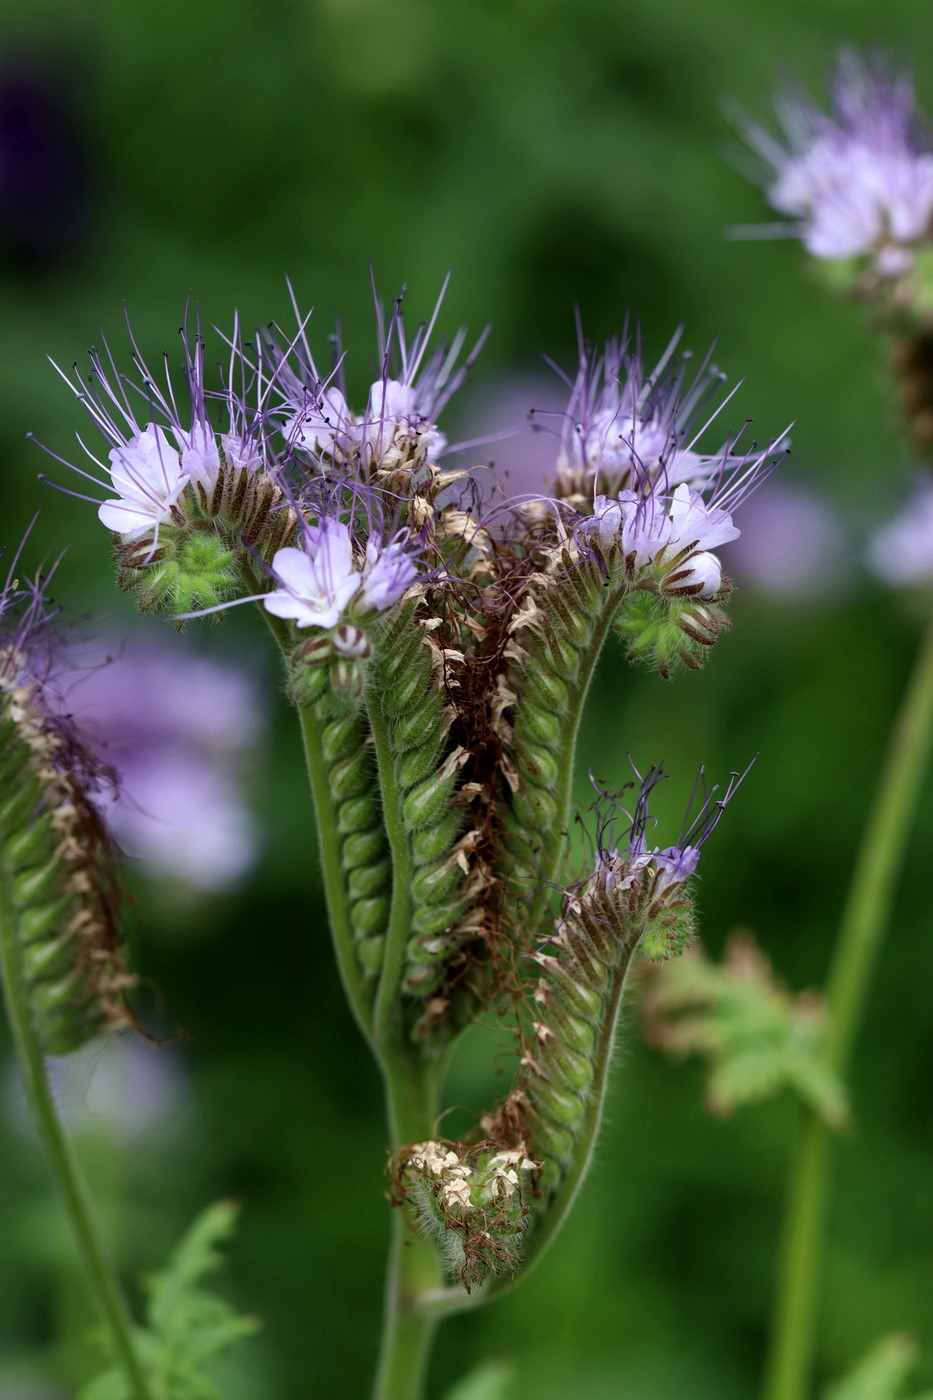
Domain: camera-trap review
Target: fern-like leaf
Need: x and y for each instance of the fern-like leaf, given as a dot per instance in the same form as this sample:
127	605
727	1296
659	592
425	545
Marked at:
187	1326
756	1037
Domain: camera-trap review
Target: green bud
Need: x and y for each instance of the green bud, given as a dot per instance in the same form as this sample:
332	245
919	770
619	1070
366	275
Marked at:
434	881
197	571
370	951
348	678
429	799
438	918
541	726
368	880
433	841
411	729
369	916
415	765
363	848
535	809
545	688
358	814
340	737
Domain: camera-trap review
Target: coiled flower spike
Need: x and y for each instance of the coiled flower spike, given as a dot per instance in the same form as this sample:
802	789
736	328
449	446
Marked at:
61	896
634	898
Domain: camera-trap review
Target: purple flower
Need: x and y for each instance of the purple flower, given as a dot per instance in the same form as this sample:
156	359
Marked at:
902	551
626	428
399	423
319	581
623	854
859	180
155	451
670	536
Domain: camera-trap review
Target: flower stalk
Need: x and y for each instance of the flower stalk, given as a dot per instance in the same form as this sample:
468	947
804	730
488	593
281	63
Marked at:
864	922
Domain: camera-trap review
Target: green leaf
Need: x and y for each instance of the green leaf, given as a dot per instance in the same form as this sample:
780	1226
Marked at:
187	1326
757	1038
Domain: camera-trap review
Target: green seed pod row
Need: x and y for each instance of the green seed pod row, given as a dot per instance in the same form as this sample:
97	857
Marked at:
551	639
347	753
418	723
555	1106
60	899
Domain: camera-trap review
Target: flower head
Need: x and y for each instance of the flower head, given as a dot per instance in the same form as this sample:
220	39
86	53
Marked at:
399	423
624	856
156	451
627	427
858	181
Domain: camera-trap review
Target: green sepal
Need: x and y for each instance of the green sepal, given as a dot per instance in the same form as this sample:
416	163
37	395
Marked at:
198	571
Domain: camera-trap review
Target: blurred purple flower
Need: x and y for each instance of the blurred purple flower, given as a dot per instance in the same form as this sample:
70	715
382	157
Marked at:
902	551
179	729
791	546
125	1085
859	181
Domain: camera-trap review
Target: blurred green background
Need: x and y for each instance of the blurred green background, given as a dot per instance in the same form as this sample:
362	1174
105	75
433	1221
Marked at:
550	155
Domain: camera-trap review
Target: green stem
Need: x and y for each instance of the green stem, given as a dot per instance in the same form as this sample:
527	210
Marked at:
385	1011
413	1092
864	920
61	1155
335	888
553	841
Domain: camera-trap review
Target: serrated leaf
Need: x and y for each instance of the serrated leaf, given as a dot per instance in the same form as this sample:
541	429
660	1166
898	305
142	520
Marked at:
757	1038
879	1375
187	1326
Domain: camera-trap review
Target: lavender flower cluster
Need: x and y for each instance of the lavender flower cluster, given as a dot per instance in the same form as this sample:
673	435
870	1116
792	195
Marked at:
856	181
630	476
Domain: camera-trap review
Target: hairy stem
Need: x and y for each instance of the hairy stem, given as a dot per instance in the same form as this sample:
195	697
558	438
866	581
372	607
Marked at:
413	1091
864	921
61	1155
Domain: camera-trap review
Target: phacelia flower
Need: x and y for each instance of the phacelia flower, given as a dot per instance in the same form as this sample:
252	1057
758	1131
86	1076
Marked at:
672	534
155	451
624	856
399	423
626	427
318	581
901	552
630	464
858	181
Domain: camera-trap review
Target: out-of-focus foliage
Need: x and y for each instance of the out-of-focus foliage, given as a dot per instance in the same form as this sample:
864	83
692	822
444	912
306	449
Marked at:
756	1038
491	1380
187	1326
550	154
881	1374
